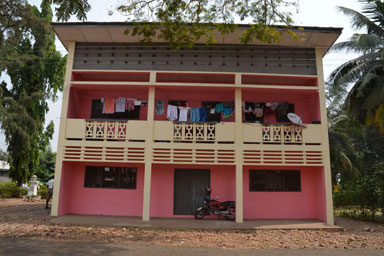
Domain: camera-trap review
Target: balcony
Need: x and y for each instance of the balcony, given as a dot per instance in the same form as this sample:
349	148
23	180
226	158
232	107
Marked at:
180	132
194	143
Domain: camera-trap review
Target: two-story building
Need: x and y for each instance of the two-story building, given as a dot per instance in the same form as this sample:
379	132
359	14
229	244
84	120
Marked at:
145	129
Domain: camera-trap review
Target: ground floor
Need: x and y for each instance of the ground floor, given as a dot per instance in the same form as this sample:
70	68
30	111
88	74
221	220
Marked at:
176	191
30	220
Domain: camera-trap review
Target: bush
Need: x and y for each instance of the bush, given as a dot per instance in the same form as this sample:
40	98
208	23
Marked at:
9	189
42	192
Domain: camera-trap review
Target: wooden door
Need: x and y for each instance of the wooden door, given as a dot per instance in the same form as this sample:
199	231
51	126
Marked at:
189	190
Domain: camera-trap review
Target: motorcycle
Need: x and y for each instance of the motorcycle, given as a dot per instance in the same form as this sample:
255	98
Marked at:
226	209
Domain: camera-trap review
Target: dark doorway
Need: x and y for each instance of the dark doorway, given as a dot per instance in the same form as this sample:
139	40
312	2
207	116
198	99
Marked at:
189	190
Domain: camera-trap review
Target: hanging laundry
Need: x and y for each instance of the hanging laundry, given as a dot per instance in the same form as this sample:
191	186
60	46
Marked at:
172	113
203	114
103	103
258	112
274	105
247	108
219	107
183	116
129	105
195	114
228	113
137	102
109	105
282	112
120	105
159	107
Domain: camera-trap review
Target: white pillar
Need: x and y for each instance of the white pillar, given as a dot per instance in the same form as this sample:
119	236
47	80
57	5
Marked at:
325	139
239	154
148	155
63	124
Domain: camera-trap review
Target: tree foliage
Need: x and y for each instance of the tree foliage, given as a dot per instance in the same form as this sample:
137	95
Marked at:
183	22
46	167
36	72
365	101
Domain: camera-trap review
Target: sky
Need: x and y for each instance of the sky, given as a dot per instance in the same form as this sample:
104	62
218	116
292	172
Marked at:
320	13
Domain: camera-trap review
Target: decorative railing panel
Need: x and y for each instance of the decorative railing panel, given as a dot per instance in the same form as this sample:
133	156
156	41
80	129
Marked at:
194	132
282	134
106	130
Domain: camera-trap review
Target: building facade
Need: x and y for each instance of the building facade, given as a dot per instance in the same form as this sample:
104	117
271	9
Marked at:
145	129
4	168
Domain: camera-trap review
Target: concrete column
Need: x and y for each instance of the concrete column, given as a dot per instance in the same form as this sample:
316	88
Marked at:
239	156
148	155
325	140
62	130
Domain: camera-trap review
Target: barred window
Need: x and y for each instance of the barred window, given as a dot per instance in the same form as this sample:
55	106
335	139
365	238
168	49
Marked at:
110	177
274	181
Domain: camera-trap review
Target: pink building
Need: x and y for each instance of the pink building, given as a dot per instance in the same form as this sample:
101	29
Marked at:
145	129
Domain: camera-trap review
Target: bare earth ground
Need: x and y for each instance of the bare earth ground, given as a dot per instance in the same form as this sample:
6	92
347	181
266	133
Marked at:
30	220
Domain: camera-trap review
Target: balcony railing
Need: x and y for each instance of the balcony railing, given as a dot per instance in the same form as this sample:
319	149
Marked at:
106	130
282	134
166	131
194	132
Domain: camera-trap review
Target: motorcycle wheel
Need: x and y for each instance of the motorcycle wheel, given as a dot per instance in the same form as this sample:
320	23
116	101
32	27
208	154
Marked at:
232	216
199	214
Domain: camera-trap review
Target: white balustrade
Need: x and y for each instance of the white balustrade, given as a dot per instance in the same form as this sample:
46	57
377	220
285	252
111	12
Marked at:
194	132
282	134
106	130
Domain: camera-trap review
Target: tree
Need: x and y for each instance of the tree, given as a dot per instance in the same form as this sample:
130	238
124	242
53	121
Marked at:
36	71
46	167
183	22
3	155
365	101
343	156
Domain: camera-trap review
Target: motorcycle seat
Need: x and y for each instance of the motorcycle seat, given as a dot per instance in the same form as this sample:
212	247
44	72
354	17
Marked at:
227	203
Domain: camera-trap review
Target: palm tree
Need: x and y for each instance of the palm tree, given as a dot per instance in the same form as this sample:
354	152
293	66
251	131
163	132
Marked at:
344	158
364	103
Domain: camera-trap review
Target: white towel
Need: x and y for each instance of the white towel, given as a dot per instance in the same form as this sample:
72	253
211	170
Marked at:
172	112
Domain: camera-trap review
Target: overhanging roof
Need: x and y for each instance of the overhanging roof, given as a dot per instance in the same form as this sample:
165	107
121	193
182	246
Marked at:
113	32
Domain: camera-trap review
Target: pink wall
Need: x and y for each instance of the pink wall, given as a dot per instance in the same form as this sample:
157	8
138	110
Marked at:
222	183
80	100
76	199
306	104
306	204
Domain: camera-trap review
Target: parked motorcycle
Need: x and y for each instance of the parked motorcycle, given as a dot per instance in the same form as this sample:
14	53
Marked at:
226	209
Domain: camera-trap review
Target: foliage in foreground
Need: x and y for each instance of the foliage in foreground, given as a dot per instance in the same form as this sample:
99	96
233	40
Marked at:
363	197
184	22
36	70
46	167
11	190
364	103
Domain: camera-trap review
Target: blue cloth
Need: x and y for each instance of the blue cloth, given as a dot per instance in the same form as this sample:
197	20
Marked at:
159	107
195	115
227	113
219	107
203	114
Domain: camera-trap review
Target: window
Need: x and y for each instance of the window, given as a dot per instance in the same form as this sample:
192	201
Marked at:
274	181
110	177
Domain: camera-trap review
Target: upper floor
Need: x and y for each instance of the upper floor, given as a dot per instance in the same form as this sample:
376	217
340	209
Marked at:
121	95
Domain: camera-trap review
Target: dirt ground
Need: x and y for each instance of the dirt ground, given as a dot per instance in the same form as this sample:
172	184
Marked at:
30	220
